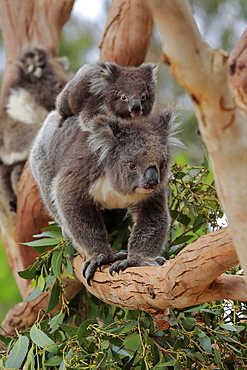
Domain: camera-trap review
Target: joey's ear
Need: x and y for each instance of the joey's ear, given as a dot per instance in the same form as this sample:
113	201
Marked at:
105	75
149	71
109	71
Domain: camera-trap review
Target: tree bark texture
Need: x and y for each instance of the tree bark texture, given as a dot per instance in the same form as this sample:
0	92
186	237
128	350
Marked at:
203	73
127	33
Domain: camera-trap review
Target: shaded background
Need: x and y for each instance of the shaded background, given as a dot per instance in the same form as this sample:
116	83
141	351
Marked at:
221	22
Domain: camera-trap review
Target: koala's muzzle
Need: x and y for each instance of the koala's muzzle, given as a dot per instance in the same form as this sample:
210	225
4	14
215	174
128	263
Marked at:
151	178
135	106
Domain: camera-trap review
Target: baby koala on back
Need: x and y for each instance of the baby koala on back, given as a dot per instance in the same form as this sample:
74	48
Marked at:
82	175
105	87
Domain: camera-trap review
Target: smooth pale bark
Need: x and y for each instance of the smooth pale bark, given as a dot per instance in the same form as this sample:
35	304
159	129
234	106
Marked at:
193	277
203	73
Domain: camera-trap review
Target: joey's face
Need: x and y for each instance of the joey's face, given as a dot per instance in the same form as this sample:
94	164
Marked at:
130	99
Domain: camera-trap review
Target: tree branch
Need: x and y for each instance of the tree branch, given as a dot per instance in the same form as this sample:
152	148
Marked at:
203	72
191	278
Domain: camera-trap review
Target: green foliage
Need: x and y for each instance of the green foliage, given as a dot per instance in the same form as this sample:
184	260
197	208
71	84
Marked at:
89	334
8	292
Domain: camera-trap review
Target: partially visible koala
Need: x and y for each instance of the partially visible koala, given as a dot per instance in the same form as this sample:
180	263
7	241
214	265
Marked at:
105	87
39	78
82	175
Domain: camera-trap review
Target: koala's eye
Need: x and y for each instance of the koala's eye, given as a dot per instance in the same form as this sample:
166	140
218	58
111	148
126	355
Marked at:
132	166
143	97
124	98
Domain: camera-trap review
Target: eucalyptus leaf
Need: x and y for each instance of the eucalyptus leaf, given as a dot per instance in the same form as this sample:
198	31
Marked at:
39	337
33	295
54	296
56	263
205	343
18	353
43	242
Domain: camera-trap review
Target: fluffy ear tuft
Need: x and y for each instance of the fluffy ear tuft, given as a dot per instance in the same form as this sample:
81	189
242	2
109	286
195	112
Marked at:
150	71
102	136
170	129
106	75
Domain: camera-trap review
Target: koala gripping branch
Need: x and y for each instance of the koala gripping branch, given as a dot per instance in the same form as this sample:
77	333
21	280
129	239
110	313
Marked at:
195	276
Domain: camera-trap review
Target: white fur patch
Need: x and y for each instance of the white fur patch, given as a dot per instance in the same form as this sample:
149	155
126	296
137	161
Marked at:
14	157
22	107
107	197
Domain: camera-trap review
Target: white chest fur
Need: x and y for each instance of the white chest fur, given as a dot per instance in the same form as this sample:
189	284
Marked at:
22	107
104	194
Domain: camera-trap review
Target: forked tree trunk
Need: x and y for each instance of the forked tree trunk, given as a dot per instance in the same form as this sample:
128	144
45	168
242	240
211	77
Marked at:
195	275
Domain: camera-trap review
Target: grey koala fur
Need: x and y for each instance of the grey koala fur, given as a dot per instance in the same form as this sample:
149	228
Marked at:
38	80
105	87
82	175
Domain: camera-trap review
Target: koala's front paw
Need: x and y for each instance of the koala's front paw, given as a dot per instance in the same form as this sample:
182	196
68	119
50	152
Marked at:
101	259
135	262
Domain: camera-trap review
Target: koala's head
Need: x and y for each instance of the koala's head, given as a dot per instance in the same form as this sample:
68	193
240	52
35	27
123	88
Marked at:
127	91
42	75
134	156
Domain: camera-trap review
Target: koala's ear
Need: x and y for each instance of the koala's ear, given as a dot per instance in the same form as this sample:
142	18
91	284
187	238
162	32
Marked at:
149	71
109	71
106	74
102	136
164	121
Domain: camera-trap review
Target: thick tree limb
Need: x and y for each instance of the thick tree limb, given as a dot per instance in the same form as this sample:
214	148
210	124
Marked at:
193	277
203	72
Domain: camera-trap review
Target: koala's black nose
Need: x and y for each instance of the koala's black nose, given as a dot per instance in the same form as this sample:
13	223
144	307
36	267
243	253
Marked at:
151	178
135	105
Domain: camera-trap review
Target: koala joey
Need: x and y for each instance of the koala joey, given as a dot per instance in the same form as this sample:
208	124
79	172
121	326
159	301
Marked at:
39	78
105	87
83	175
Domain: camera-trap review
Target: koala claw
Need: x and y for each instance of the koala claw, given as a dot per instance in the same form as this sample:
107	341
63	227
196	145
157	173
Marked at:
160	260
90	266
134	262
